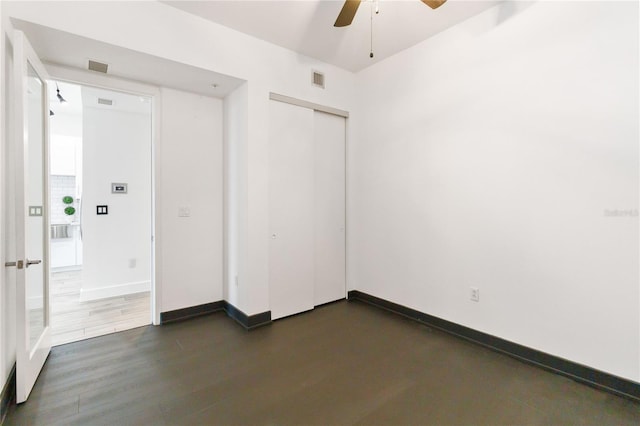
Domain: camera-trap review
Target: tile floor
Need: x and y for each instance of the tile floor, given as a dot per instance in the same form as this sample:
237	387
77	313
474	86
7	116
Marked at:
73	320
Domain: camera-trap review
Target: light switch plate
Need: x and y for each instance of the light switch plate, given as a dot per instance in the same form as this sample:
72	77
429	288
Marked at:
35	210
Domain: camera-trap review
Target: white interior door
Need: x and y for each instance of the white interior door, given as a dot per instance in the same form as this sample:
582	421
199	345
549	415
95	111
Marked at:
329	197
33	341
291	204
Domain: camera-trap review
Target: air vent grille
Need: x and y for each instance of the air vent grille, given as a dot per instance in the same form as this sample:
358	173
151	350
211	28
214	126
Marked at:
317	79
103	101
98	66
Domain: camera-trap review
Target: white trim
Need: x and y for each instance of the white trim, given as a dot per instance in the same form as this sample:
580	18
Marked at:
156	217
103	81
306	104
114	290
35	302
88	78
70	268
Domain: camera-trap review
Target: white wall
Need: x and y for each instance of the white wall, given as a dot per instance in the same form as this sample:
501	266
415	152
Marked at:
158	29
235	190
490	157
117	246
191	178
66	125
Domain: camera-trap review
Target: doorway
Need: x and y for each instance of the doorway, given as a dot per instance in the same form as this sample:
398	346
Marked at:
101	211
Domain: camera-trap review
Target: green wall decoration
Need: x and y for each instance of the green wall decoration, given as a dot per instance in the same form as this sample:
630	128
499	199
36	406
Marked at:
67	200
69	210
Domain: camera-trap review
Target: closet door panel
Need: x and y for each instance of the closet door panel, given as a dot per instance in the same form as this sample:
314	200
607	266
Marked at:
291	204
329	158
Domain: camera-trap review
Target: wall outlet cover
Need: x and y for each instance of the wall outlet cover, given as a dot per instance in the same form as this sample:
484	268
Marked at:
475	294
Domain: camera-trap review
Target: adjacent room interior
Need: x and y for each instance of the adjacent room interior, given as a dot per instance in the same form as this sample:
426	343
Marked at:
319	212
100	154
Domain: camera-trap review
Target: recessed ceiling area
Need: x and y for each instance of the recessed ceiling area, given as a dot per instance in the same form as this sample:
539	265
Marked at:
306	26
69	50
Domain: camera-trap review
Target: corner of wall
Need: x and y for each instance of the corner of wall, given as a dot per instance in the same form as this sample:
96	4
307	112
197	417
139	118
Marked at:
235	192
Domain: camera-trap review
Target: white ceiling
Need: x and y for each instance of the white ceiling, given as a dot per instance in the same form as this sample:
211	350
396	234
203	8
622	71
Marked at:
58	47
306	26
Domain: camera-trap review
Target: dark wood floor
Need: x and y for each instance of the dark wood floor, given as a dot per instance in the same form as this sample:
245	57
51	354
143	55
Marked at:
345	363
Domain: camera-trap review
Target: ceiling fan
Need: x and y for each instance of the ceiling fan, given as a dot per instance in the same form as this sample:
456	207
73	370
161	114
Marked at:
350	7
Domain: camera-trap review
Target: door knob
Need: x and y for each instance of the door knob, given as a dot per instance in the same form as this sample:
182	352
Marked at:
33	262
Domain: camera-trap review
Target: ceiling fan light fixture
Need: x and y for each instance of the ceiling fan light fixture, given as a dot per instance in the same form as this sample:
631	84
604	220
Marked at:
434	4
350	7
347	13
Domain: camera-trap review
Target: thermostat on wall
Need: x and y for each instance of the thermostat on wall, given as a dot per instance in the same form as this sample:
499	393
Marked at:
118	188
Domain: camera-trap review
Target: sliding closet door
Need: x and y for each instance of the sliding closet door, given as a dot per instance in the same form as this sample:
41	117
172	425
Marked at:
329	158
291	205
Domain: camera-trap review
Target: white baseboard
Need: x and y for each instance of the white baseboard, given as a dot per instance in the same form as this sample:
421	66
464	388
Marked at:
71	268
114	290
35	302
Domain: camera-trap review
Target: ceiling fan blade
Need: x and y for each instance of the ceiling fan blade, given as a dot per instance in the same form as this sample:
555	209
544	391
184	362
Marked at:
347	13
434	4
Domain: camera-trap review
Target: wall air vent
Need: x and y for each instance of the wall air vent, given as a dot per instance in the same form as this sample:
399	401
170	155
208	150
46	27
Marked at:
317	79
103	101
98	66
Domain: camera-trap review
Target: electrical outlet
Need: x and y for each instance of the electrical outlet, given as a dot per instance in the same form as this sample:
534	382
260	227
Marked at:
475	294
184	212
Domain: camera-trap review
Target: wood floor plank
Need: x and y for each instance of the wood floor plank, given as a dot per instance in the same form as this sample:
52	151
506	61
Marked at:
343	364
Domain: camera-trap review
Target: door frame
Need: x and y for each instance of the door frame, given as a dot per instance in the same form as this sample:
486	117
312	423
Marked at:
7	191
86	78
